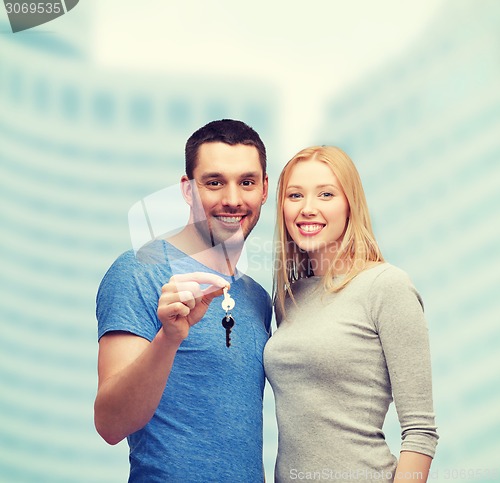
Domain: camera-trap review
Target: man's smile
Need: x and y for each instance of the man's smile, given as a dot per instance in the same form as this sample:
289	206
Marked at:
230	219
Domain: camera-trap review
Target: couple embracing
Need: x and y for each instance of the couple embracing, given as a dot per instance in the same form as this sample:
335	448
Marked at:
351	334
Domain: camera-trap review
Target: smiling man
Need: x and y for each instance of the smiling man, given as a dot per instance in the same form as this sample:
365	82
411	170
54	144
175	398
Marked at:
190	407
225	185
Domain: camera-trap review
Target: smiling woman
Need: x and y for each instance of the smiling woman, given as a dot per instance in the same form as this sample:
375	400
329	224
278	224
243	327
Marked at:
323	222
351	334
316	214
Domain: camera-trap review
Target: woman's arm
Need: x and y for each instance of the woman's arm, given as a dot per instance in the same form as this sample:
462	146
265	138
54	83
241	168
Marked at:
412	467
403	333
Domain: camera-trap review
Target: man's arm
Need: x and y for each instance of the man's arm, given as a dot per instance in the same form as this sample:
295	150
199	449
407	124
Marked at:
133	372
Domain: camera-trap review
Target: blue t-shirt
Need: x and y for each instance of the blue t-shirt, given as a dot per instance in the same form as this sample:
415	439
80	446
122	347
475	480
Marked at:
208	425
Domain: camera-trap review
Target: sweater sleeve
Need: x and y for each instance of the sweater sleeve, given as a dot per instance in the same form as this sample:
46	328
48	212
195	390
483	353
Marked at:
402	328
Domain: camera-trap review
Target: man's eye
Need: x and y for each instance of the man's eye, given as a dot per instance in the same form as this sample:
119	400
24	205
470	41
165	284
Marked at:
248	182
214	183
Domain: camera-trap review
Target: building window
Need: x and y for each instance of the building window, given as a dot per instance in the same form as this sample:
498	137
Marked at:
104	108
179	114
15	86
141	112
41	96
70	103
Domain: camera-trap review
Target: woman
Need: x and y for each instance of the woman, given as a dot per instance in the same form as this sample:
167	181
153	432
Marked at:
351	335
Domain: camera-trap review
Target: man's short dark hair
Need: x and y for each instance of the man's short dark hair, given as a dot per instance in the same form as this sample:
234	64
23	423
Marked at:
226	131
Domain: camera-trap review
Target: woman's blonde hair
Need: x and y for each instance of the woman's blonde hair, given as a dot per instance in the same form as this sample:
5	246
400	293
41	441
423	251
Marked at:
358	246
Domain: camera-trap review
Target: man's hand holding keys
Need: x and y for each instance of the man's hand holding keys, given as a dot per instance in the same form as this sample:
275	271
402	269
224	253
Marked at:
183	302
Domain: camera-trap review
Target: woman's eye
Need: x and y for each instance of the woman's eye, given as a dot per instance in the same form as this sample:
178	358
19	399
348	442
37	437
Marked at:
327	194
294	196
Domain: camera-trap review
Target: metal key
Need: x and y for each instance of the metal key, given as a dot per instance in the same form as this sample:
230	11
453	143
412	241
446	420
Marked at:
228	324
228	303
227	321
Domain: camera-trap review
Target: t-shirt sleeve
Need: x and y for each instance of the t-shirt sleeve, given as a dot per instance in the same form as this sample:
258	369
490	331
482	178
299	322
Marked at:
402	328
127	298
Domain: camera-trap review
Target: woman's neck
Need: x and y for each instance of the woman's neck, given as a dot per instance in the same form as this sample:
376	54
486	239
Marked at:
321	262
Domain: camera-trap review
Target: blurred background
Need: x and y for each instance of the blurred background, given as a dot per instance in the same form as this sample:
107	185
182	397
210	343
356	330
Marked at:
95	109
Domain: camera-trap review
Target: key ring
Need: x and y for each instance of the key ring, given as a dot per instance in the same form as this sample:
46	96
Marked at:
228	321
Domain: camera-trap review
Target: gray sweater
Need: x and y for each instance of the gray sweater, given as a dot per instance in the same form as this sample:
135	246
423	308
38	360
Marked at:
335	363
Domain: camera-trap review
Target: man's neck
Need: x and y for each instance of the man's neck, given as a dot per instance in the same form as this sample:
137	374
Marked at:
222	258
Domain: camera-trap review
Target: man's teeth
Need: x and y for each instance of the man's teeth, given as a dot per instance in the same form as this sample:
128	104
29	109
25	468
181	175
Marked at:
311	228
230	219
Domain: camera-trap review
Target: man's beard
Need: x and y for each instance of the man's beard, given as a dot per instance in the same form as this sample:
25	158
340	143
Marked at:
212	237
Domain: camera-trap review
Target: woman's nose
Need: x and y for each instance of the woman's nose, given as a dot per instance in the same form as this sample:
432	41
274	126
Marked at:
308	209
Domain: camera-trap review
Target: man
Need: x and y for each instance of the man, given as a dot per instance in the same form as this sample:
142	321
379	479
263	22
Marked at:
190	407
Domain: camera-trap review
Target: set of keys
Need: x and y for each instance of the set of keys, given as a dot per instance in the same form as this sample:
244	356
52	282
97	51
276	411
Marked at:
227	321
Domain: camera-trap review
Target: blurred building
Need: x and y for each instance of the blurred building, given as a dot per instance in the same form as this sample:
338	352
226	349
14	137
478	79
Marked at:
79	145
424	132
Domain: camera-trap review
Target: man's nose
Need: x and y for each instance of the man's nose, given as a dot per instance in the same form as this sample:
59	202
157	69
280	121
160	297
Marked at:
232	196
